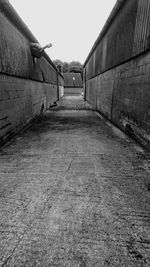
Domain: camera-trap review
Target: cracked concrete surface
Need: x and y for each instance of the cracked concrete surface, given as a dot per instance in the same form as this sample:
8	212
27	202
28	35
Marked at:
74	192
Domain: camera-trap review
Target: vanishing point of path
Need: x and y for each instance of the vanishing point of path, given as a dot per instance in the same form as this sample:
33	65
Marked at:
74	192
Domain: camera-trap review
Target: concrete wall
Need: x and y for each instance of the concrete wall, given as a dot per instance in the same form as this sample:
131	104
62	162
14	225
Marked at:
118	86
20	101
28	86
105	92
131	100
123	95
91	94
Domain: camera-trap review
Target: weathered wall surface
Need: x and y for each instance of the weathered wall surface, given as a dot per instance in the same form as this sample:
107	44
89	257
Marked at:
131	101
116	72
105	92
91	88
20	101
27	85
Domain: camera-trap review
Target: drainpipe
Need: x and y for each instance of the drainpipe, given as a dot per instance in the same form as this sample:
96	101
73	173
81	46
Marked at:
85	85
57	85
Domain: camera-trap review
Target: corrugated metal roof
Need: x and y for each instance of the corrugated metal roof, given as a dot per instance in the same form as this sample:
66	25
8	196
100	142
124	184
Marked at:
13	16
72	79
141	38
111	17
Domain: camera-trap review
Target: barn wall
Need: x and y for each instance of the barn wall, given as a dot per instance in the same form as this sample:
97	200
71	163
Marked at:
28	86
120	63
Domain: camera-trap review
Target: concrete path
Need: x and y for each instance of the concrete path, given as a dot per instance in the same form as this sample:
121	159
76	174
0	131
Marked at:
74	192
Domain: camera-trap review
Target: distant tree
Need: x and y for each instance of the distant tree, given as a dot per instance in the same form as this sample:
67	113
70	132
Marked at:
66	67
73	66
76	67
57	62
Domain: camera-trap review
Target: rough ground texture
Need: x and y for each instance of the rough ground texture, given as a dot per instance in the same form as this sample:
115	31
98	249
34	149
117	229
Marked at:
74	192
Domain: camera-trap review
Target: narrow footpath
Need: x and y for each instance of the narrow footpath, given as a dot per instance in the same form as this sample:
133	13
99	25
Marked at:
74	192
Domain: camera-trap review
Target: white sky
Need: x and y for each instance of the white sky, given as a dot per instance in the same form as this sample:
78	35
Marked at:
71	25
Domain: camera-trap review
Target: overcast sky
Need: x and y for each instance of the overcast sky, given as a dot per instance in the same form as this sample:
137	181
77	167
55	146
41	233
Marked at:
71	25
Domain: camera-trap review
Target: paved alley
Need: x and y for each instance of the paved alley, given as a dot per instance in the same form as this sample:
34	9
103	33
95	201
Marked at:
74	192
